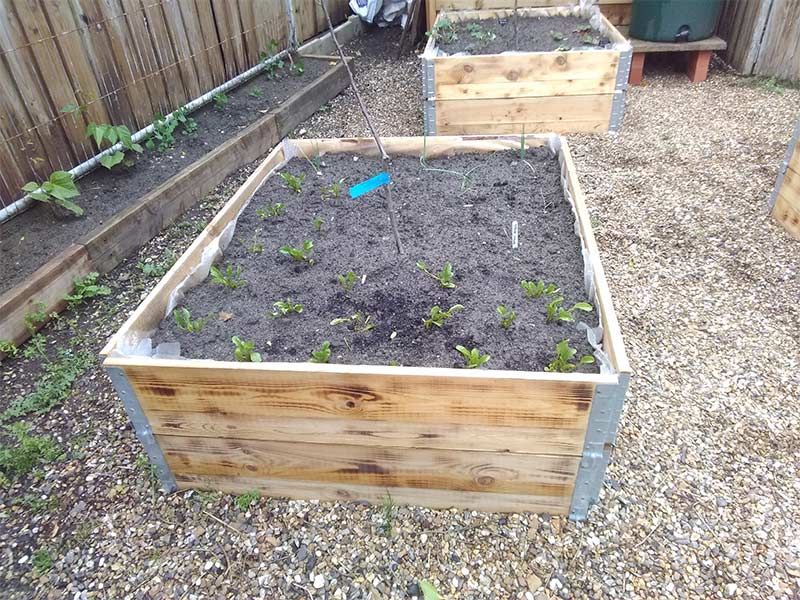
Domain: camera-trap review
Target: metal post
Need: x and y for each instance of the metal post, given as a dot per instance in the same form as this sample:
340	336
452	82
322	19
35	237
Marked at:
620	88
784	165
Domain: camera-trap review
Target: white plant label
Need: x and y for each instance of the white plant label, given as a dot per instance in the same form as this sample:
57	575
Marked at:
514	234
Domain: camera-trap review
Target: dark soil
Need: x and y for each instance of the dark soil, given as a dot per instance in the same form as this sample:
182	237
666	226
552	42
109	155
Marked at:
439	222
29	240
522	34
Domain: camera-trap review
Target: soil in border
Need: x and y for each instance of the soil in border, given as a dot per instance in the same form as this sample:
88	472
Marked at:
459	211
521	34
29	240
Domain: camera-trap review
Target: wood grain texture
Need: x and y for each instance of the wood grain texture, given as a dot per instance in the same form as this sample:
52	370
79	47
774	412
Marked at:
787	215
791	186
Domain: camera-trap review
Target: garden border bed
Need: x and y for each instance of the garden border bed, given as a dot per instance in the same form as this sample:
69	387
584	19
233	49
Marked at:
573	91
784	204
440	437
106	246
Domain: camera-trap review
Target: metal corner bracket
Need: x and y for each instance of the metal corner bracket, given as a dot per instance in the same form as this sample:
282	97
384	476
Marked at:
784	166
620	88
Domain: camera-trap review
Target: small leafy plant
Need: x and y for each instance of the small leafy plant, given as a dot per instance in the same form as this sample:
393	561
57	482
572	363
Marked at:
184	321
271	69
557	36
35	317
563	362
443	31
285	307
538	288
444	277
438	316
9	348
246	500
388	511
557	312
256	93
162	138
231	277
589	39
299	254
244	350
477	32
317	223
270	210
220	100
294	183
86	287
473	358
347	281
254	245
297	67
58	190
112	134
507	316
357	322
158	268
322	355
28	453
334	190
188	124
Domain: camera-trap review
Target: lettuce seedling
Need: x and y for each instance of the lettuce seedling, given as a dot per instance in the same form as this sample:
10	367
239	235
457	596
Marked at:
318	222
59	189
357	322
473	358
294	183
299	254
244	350
220	100
538	288
322	355
270	210
507	316
556	312
256	93
85	288
184	321
444	277
557	36
347	281
334	190
162	138
230	278
438	316
563	362
285	307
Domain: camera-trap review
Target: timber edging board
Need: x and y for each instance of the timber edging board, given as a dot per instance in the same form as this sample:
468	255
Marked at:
574	91
478	439
785	200
106	246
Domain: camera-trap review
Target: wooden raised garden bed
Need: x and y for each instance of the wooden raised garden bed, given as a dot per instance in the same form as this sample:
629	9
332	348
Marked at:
785	201
577	88
504	437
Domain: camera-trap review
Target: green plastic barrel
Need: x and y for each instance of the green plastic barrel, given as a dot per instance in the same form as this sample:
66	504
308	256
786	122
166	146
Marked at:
674	20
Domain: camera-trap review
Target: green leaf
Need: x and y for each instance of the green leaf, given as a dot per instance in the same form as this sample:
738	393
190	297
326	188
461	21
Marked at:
40	196
429	592
255	357
584	306
70	206
31	186
109	160
586	360
137	148
111	134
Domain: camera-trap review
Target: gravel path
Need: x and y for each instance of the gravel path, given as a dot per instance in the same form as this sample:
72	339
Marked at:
700	500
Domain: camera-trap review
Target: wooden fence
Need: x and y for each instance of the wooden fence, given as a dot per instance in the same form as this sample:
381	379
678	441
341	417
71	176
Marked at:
121	61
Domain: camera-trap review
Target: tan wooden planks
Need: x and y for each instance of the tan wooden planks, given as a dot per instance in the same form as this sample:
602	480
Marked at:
794	161
791	186
787	215
211	41
179	39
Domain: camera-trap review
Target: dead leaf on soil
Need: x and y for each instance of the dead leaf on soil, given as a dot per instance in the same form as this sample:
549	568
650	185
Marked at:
225	316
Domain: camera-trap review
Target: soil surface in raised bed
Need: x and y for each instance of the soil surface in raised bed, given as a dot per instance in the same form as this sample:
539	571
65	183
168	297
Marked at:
521	34
29	240
442	218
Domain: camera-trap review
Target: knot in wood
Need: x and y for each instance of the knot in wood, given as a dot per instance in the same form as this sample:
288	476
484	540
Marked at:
468	68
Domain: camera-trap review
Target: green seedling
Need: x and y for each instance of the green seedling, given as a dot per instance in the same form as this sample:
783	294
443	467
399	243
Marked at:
557	35
112	134
188	124
256	93
299	254
297	67
334	190
473	358
583	29
347	281
162	138
184	321
86	288
36	347
538	288
444	31
230	278
246	500
591	40
42	562
438	316
272	68
507	316
480	34
36	317
271	210
556	312
294	183
322	355
444	277
26	453
158	268
564	362
58	190
318	222
244	350
9	348
357	322
254	245
220	100
429	592
285	307
388	511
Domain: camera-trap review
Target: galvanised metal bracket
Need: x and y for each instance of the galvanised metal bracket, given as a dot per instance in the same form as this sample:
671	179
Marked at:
429	116
620	87
142	427
428	83
601	434
784	166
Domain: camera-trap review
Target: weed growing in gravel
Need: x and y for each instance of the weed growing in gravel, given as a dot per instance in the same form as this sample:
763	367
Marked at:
205	497
112	134
246	500
477	32
347	281
473	358
36	317
29	452
294	183
184	321
388	513
271	210
244	350
231	278
438	316
428	591
334	190
538	288
285	307
42	561
444	277
143	463
443	31
86	288
220	100
36	347
256	93
37	505
556	312
58	190
322	355
9	348
507	316
158	267
317	223
563	362
299	254
358	322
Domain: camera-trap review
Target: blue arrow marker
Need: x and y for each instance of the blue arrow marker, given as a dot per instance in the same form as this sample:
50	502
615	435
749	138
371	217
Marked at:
370	184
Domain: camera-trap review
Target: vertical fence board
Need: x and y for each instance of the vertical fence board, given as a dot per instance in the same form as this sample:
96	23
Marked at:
167	62
141	44
216	57
197	48
249	31
180	44
779	54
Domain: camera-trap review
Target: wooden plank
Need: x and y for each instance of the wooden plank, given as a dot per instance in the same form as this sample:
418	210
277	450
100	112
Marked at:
231	53
304	19
145	53
794	161
309	490
177	31
791	187
617	13
250	42
211	40
197	48
167	62
562	441
786	215
304	103
779	53
494	472
712	43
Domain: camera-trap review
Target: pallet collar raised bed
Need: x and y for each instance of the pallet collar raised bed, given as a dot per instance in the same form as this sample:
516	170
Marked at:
784	204
480	439
526	92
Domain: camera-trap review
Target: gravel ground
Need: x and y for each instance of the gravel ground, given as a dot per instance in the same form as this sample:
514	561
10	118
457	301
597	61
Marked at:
699	502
